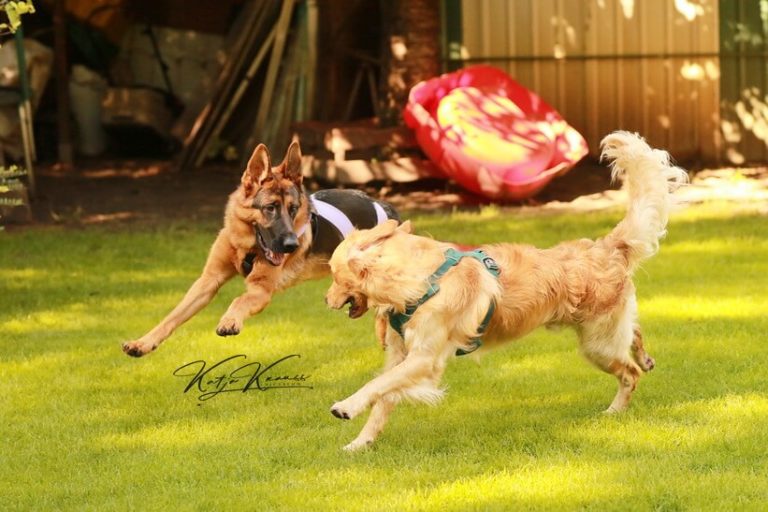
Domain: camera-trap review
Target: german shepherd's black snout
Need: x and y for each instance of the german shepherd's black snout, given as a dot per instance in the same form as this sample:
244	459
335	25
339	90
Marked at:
287	243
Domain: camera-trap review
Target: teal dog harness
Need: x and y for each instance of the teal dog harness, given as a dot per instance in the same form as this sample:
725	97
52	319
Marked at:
452	257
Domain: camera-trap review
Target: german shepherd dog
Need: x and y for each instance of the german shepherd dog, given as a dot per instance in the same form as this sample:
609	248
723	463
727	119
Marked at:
275	235
434	300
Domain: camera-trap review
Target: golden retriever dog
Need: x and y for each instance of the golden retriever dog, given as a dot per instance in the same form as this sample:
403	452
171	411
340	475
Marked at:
583	283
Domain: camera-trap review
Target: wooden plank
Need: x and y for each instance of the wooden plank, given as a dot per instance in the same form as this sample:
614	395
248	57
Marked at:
340	140
63	128
276	133
248	32
237	96
283	24
359	172
190	126
353	135
311	65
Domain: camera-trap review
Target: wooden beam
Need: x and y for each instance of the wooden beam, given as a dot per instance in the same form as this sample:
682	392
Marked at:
246	33
235	100
283	24
63	127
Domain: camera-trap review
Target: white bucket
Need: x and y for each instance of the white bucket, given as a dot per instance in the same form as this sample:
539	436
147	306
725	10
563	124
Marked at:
86	90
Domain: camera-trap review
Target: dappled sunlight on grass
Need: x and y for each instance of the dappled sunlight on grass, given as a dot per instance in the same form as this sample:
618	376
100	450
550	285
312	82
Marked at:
70	318
33	364
20	276
691	307
721	246
28	278
533	363
543	484
190	434
520	429
697	426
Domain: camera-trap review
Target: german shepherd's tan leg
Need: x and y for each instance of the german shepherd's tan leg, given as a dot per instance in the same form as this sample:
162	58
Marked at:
260	285
216	272
248	304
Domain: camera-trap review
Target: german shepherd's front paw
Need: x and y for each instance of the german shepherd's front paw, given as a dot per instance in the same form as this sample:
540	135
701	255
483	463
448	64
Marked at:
138	348
229	327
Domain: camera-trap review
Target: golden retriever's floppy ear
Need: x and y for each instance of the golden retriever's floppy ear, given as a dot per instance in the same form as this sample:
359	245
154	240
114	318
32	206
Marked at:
356	264
292	163
259	168
377	234
357	257
405	227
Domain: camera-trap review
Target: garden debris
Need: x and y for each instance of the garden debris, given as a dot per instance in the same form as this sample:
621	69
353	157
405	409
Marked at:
268	77
356	153
14	198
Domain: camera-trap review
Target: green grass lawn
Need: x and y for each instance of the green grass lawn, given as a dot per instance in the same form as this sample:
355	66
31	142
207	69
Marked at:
84	427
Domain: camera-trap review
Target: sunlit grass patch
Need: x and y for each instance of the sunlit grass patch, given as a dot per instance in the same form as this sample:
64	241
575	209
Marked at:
692	307
87	428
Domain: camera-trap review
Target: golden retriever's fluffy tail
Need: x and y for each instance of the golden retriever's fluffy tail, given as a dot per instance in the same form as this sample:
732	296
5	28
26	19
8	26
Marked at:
650	179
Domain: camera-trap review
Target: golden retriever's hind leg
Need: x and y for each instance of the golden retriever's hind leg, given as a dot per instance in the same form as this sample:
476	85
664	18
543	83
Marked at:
641	357
628	374
607	342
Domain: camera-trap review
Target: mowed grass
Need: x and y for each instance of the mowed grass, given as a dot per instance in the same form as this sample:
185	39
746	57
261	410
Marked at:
84	427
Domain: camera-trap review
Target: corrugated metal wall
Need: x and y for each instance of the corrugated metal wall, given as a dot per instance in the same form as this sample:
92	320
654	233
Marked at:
649	66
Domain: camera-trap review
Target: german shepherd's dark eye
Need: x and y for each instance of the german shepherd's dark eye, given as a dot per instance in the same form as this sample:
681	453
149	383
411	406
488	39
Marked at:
293	210
269	209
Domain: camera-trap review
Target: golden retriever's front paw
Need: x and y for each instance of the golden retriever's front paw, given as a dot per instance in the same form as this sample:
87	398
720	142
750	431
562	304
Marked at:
345	410
138	348
358	445
229	327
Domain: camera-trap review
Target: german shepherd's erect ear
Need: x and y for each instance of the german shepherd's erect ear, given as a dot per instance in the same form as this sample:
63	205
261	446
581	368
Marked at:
292	163
258	170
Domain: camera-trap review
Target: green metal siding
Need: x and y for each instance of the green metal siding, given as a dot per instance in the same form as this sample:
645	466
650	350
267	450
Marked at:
744	80
650	66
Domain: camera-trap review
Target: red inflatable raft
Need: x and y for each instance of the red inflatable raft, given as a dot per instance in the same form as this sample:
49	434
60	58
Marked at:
490	134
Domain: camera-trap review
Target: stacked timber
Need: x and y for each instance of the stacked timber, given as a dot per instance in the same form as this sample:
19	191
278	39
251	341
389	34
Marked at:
355	153
265	83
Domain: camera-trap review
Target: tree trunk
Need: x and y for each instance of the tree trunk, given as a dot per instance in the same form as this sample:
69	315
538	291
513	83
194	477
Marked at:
410	53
